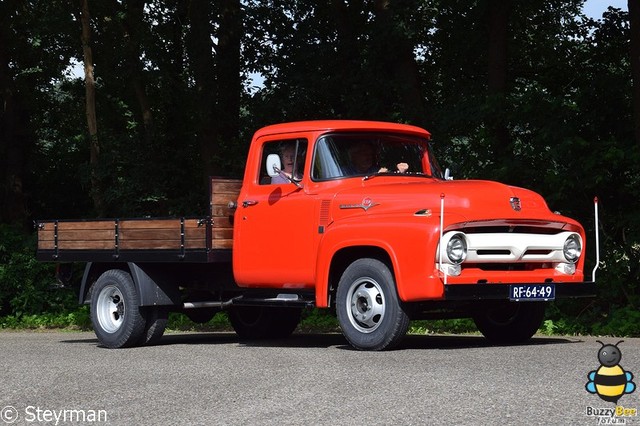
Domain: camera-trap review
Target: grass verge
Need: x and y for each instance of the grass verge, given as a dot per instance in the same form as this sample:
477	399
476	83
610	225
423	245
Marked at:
313	321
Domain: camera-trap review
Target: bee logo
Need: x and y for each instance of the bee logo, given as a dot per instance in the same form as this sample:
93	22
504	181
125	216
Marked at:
610	381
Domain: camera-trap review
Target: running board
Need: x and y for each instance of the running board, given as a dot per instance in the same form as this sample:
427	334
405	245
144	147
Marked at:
284	299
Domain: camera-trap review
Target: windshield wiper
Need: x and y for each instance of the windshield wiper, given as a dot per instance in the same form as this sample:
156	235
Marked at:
367	177
420	174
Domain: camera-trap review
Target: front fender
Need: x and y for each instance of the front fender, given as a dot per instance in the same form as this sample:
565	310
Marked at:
409	241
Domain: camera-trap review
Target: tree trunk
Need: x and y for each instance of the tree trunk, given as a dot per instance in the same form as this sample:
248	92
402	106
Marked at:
347	75
200	50
228	66
634	20
90	105
399	59
217	79
14	139
497	74
131	28
176	80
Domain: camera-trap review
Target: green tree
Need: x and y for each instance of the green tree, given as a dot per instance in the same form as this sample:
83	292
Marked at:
34	51
533	94
634	52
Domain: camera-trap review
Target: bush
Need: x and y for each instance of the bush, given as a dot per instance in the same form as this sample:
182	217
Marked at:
622	322
76	320
26	285
459	325
179	321
318	321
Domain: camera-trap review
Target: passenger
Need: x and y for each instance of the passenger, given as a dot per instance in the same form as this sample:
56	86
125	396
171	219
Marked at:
287	159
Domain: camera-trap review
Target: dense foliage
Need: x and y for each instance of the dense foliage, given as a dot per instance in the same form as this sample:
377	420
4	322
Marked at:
529	93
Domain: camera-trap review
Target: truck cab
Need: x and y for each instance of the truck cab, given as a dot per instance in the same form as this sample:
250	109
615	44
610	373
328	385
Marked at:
319	197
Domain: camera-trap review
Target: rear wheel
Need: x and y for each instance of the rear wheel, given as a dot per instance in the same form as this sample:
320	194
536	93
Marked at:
115	310
510	322
369	312
256	322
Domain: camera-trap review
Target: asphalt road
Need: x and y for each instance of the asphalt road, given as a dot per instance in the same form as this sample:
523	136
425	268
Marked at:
212	378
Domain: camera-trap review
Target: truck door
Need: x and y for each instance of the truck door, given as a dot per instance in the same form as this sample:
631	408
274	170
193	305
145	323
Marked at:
273	229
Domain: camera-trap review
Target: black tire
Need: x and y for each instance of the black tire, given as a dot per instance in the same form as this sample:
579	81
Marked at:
369	311
115	310
255	322
156	318
510	322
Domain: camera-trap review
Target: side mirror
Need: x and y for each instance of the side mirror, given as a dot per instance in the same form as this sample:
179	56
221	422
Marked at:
273	165
447	174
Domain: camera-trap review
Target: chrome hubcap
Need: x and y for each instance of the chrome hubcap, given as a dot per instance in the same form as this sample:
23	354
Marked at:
110	309
366	305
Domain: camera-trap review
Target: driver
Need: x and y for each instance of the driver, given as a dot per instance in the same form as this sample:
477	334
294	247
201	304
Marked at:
363	160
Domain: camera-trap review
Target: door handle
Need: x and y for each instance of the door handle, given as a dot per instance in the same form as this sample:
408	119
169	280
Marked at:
247	203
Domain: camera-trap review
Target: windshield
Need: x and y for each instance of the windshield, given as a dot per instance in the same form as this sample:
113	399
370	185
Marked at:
357	154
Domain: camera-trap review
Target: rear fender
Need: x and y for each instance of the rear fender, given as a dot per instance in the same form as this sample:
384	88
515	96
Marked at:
151	288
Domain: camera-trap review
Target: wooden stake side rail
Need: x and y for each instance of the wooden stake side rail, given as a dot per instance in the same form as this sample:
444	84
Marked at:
176	239
203	239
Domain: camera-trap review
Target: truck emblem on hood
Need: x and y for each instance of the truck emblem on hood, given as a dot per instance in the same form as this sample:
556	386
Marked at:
365	205
515	203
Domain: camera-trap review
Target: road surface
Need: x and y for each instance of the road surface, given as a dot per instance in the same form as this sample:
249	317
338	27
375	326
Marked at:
214	379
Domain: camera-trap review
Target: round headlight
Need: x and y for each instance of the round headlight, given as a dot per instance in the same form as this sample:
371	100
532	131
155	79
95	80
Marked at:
457	248
572	248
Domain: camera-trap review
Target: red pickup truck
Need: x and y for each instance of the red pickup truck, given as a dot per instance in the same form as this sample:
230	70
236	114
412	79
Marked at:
353	216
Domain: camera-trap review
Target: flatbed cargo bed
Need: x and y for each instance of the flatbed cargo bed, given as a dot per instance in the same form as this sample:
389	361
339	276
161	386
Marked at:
183	239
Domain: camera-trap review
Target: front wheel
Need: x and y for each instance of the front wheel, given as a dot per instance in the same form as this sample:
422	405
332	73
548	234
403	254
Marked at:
369	312
510	322
115	310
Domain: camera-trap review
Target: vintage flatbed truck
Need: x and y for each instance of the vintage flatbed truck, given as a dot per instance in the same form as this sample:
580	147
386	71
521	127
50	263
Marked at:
352	216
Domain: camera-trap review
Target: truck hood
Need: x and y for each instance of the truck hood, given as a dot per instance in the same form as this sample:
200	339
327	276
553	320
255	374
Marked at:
464	200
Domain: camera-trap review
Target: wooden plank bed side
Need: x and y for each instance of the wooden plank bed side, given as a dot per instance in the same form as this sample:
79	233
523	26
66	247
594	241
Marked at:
149	224
126	234
223	192
84	225
76	235
148	234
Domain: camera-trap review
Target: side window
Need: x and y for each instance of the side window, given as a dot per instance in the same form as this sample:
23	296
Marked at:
292	153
